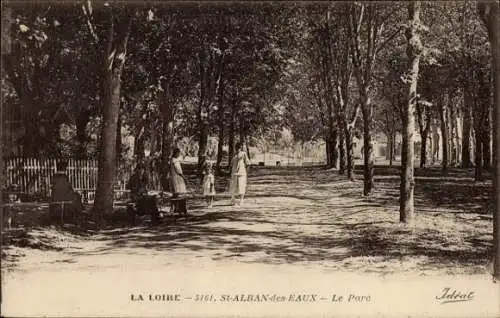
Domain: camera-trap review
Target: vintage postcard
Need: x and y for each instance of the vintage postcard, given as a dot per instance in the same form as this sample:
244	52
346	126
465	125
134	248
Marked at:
250	159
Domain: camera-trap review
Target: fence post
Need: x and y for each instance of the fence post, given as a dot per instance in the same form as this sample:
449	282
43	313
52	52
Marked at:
70	172
37	176
62	214
87	170
81	174
23	172
46	175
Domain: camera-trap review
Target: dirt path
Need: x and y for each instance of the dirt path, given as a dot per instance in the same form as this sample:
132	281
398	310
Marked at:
292	221
290	217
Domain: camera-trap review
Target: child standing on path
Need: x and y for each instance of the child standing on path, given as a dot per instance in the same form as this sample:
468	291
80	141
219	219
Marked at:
208	183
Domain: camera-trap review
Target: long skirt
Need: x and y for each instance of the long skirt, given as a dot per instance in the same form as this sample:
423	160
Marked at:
238	184
208	186
178	184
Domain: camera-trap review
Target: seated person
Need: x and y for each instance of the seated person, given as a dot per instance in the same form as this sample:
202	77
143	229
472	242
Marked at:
144	203
62	191
137	183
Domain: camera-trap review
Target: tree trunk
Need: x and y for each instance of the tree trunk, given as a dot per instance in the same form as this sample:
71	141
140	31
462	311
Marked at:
444	132
167	141
118	140
166	152
388	145
486	150
114	61
467	119
490	13
424	136
495	45
368	159
423	148
328	144
242	129
478	152
342	150
480	114
202	138
406	204
232	133
349	141
486	136
333	149
392	150
459	136
329	96
391	135
436	139
452	137
203	107
202	146
481	121
220	145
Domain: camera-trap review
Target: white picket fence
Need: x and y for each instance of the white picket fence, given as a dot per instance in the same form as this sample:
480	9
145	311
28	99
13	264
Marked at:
33	175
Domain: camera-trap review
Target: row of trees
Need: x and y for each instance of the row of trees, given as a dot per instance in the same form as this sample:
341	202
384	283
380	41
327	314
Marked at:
431	72
326	71
454	98
194	70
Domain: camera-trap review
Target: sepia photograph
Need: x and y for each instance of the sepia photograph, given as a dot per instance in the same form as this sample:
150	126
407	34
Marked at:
250	158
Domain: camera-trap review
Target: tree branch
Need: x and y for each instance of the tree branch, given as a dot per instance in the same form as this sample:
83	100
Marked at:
87	11
389	39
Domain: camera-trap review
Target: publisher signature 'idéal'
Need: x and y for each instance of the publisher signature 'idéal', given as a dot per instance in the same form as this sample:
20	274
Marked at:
449	295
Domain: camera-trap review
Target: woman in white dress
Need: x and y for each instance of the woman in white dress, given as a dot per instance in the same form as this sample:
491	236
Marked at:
238	183
177	178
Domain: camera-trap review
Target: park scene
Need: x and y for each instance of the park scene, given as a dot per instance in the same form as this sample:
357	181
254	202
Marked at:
341	137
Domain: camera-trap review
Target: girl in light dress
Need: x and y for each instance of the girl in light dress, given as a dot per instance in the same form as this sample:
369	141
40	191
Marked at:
238	183
208	184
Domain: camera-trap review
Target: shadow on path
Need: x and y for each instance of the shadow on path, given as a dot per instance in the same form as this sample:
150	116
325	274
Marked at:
316	216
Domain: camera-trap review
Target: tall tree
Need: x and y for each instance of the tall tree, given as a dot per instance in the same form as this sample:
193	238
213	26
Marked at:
321	52
329	88
424	119
414	50
342	79
467	128
481	105
490	13
366	25
119	24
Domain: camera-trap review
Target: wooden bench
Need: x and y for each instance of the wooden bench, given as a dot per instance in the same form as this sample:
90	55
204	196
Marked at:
8	216
88	194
